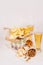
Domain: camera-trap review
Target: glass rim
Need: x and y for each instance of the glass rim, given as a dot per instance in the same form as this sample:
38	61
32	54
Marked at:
38	33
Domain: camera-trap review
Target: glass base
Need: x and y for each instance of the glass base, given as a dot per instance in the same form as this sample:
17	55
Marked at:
38	49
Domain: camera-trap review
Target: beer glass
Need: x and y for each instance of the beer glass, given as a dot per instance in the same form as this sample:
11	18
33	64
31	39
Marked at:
38	39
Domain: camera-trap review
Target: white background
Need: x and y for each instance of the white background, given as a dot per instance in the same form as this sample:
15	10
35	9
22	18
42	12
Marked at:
19	13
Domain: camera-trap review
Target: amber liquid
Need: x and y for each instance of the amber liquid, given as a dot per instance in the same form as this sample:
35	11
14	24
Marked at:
38	38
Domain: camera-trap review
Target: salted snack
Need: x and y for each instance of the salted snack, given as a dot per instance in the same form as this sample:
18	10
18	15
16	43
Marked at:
26	51
31	53
19	42
21	52
21	32
10	39
28	29
17	32
29	43
26	54
15	43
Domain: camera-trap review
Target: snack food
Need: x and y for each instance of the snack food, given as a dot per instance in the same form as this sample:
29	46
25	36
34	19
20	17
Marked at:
28	29
20	43
30	53
29	43
21	52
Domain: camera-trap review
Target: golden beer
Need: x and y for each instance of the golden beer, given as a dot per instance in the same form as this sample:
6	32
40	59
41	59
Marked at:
38	38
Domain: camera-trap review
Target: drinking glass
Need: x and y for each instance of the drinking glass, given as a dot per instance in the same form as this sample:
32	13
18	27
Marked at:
38	39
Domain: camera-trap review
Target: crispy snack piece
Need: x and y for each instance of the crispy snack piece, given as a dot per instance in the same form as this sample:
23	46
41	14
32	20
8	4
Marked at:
11	40
21	52
29	43
30	53
28	29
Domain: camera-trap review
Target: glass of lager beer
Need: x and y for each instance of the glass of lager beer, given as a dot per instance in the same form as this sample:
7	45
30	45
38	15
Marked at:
38	39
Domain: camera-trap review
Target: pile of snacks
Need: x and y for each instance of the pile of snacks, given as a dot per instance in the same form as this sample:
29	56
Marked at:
21	41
